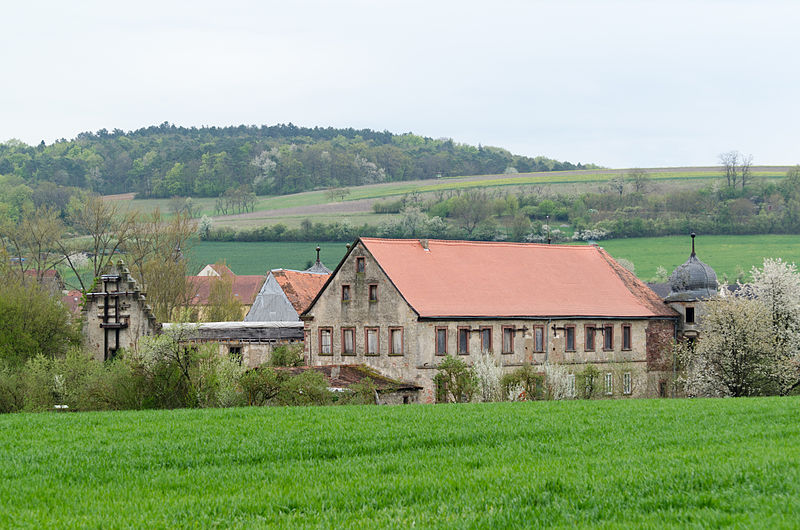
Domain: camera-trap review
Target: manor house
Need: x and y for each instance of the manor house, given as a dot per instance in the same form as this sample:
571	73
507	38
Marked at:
400	305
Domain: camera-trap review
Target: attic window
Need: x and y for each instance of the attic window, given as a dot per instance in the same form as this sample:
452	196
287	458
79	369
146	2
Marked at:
345	293
373	292
361	264
690	315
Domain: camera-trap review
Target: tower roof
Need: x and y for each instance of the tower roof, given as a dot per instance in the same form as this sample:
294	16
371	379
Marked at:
694	280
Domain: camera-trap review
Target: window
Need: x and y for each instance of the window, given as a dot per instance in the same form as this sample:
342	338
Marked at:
463	341
235	354
571	385
325	347
441	341
348	341
508	339
626	383
373	292
345	293
588	336
395	341
690	315
569	338
609	383
538	338
372	340
486	340
626	337
361	264
608	337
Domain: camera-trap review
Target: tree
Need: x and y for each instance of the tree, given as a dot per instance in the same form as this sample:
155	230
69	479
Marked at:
107	229
222	303
734	356
34	240
32	322
154	252
745	168
617	184
640	179
777	285
730	165
470	209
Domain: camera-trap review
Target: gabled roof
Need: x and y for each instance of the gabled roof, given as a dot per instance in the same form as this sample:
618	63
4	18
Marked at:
216	269
300	287
501	280
245	288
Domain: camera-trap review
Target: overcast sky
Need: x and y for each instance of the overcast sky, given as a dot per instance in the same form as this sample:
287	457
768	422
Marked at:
622	84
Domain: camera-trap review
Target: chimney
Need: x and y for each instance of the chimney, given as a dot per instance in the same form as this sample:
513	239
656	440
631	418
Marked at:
424	243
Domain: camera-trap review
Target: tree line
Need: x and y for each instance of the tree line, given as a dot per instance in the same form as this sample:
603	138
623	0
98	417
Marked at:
166	160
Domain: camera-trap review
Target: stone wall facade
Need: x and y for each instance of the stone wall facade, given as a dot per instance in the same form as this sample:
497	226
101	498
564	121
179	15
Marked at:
361	300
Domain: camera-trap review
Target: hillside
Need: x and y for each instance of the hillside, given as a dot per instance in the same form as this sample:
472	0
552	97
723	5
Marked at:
166	160
615	463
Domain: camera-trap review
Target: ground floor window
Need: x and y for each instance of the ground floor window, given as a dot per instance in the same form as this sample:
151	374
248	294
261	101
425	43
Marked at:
609	383
348	341
626	383
235	354
372	341
571	385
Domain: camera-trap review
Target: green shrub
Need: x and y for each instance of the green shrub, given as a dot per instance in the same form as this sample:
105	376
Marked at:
525	377
587	382
307	388
287	355
455	381
260	385
361	393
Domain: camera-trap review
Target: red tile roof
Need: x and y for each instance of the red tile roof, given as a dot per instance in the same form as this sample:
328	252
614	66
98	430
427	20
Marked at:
221	269
300	287
72	301
245	288
493	279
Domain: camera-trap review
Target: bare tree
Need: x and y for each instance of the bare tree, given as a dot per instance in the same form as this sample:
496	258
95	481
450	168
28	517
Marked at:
617	184
730	165
107	229
745	168
34	241
640	179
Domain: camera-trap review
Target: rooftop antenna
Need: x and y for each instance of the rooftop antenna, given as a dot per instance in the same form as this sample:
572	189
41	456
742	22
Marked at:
547	218
693	236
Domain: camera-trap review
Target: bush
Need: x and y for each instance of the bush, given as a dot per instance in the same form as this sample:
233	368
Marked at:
287	355
455	381
526	379
587	383
260	385
307	388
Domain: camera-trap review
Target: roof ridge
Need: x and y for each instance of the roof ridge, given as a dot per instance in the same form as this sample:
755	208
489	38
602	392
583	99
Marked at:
470	242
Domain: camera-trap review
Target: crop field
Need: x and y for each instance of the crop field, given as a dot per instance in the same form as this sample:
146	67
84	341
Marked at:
259	257
723	253
393	189
622	463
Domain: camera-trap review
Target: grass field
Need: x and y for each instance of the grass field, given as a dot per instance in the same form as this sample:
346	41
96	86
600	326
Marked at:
608	464
257	258
723	253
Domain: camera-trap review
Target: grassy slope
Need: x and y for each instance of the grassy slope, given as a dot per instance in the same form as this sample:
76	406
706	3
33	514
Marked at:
627	463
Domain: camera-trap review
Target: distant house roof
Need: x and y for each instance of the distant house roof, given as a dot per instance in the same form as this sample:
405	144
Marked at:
245	288
47	274
300	287
464	279
245	331
72	301
216	269
342	376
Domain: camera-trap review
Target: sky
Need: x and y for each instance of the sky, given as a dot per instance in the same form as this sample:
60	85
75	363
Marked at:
618	83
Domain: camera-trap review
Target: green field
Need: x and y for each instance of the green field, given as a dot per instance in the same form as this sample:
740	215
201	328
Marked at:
258	257
723	253
624	463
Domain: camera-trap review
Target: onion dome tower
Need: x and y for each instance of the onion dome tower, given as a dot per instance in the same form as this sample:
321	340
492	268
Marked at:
690	284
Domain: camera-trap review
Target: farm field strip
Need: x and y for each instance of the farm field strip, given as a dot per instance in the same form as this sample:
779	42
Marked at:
631	463
723	253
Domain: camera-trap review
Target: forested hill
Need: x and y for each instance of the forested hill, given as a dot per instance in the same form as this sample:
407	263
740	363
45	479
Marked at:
166	160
